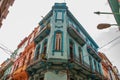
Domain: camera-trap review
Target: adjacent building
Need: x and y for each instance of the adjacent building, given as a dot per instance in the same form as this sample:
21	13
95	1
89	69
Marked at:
25	50
4	6
64	50
117	74
5	69
110	72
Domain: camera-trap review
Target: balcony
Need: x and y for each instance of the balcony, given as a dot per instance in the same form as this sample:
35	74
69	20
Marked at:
76	35
97	75
80	65
36	64
93	53
42	33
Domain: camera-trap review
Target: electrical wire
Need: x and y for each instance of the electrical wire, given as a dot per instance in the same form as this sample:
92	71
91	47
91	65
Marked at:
110	42
6	48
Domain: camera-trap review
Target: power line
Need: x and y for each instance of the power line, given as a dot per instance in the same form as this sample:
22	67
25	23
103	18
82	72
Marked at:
6	48
110	42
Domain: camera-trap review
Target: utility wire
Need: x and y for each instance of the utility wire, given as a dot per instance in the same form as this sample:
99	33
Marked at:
6	48
110	42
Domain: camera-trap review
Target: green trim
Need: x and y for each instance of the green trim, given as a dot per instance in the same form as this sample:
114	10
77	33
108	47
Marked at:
56	14
58	31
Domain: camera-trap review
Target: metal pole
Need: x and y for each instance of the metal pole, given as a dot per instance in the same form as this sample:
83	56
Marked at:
106	13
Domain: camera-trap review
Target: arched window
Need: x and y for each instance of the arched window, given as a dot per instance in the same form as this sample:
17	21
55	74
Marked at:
58	40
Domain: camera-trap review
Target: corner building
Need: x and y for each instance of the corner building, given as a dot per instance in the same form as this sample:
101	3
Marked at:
64	50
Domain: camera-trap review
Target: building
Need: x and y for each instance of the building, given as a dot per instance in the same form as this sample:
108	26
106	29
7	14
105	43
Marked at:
105	62
6	68
4	6
117	74
64	50
110	72
25	50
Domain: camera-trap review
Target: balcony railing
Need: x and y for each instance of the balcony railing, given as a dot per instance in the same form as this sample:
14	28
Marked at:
76	35
80	62
42	57
86	64
42	33
93	53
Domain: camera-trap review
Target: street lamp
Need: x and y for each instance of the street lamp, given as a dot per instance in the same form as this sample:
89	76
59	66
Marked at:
105	25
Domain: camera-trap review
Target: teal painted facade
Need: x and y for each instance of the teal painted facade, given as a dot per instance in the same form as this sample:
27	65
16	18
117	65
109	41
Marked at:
68	50
7	69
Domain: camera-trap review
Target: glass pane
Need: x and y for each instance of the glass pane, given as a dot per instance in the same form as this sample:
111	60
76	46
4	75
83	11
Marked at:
58	41
59	15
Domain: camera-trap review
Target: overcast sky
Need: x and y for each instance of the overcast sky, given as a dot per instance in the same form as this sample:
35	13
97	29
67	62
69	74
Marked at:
25	15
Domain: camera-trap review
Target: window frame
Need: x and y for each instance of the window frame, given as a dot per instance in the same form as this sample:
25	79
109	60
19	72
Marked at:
73	52
61	42
62	16
37	52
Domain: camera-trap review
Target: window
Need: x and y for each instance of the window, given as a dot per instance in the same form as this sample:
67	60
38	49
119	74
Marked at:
44	51
31	38
58	41
59	15
24	60
37	52
45	47
90	61
80	54
71	48
95	65
29	58
99	67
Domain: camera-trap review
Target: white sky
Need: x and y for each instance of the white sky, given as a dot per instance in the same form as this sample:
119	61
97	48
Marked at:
25	15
